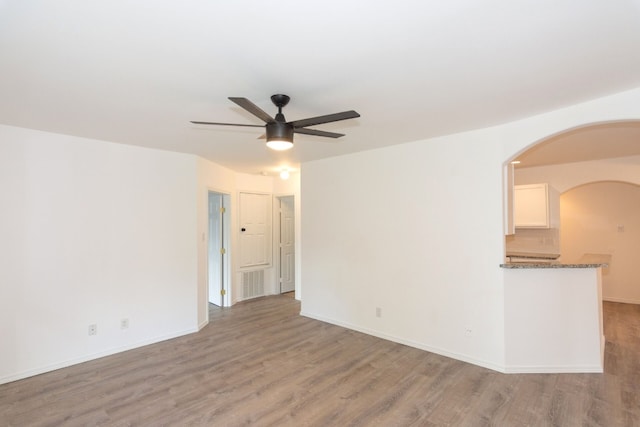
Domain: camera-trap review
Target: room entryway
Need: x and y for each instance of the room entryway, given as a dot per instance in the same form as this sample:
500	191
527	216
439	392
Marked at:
218	249
287	244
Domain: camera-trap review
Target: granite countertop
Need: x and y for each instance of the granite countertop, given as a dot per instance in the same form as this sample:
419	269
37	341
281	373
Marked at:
585	261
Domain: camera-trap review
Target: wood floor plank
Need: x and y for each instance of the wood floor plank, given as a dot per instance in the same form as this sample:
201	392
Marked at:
260	363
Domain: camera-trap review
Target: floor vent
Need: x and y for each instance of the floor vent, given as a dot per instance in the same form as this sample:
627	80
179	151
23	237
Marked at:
253	284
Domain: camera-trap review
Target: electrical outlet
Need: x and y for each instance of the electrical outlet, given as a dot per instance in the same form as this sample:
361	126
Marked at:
124	323
93	329
378	312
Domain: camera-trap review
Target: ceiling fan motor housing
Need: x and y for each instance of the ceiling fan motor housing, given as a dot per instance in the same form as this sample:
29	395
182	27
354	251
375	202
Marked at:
279	131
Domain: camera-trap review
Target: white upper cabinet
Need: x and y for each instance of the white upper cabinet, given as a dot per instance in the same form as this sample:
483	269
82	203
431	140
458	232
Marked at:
536	206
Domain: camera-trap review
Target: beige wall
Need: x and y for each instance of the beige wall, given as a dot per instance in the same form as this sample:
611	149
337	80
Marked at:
564	177
582	201
604	218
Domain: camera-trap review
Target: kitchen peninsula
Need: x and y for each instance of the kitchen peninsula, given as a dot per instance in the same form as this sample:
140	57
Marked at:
553	315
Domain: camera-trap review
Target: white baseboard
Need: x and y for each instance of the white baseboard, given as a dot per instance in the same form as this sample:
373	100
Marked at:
550	369
529	369
70	362
622	300
420	346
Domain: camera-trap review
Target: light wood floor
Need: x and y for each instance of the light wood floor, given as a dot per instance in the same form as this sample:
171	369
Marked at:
260	363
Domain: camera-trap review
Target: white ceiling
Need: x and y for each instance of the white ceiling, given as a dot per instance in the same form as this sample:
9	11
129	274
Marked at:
136	72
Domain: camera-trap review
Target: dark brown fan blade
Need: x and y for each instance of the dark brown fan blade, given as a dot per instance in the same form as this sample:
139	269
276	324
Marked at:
227	124
253	109
325	119
317	132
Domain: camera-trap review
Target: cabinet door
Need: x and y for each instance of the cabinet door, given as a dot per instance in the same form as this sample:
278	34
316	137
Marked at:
531	206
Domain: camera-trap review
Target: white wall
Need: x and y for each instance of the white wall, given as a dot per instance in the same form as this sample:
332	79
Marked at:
417	229
92	232
566	334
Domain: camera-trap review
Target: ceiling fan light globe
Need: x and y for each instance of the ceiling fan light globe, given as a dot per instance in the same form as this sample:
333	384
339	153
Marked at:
279	144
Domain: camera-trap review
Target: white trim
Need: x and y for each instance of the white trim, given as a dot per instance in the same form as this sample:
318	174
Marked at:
93	356
441	352
544	369
276	229
228	284
622	300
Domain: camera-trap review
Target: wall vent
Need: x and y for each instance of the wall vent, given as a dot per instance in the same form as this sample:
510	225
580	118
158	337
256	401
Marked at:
252	284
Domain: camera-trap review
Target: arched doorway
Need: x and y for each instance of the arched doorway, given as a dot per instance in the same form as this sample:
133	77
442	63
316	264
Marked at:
597	152
595	170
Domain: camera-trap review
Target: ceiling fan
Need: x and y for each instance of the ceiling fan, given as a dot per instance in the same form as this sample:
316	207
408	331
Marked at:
279	132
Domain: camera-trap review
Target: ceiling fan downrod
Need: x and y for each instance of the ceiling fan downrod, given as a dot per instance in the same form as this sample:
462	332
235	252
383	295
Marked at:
280	100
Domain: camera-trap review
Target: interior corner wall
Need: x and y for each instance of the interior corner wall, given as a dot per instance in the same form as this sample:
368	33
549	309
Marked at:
92	233
416	231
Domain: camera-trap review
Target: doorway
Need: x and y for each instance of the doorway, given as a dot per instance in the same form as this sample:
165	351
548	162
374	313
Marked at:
218	249
287	263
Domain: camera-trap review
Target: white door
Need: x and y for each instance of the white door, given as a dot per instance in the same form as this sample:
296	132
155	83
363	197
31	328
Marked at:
215	256
255	229
287	245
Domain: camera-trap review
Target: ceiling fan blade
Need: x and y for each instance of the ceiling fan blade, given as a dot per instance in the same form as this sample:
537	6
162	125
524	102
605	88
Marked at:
325	119
317	132
226	124
253	109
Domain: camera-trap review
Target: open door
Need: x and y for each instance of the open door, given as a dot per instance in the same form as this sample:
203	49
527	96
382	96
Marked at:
287	245
218	248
